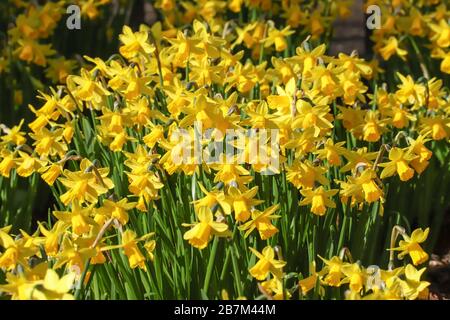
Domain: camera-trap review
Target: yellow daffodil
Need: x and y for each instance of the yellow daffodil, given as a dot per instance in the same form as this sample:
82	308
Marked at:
241	202
391	47
27	165
262	221
133	43
411	245
116	210
14	135
266	264
54	287
399	164
211	198
333	271
331	152
310	282
304	174
201	233
319	199
50	173
417	147
79	218
441	33
52	237
413	287
278	38
274	287
354	276
85	185
7	163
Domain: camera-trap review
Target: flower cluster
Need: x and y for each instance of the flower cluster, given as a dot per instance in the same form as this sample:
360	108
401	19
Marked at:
29	39
408	22
373	283
106	144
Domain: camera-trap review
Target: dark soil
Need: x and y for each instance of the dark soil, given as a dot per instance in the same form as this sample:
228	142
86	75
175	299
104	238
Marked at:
439	265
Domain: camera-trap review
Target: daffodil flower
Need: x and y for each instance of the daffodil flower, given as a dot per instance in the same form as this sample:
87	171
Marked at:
241	202
413	287
84	185
319	199
261	221
201	232
391	47
399	163
134	43
410	245
266	264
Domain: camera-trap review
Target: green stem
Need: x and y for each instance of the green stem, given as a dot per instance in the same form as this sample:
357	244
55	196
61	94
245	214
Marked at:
79	290
209	270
